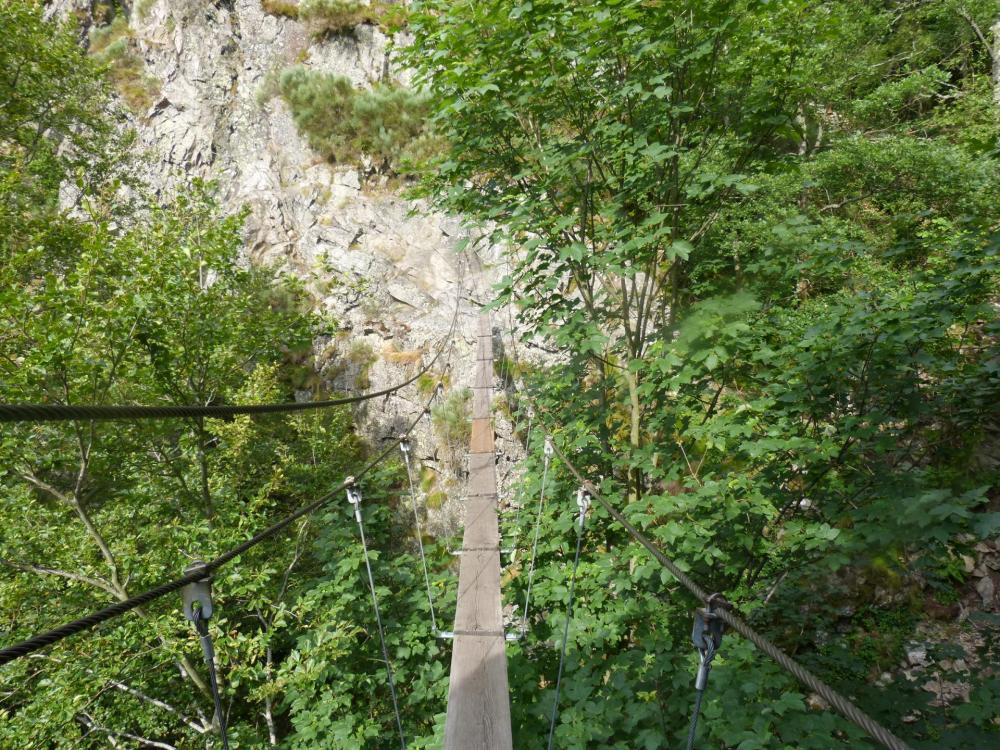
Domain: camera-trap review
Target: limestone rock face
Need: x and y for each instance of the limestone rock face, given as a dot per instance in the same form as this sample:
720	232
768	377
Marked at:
384	267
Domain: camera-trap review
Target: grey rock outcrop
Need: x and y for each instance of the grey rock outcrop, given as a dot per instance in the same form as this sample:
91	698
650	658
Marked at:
384	267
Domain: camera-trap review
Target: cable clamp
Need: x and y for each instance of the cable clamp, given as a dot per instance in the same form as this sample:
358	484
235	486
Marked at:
197	595
582	503
404	445
707	636
354	497
548	450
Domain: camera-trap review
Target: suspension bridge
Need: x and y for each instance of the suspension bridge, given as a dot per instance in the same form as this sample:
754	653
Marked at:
478	708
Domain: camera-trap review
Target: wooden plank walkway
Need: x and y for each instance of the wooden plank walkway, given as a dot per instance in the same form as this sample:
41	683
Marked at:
478	700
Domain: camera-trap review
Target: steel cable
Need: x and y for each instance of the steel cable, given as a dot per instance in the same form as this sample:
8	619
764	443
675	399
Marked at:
80	625
842	704
569	619
356	501
213	678
420	539
534	544
68	412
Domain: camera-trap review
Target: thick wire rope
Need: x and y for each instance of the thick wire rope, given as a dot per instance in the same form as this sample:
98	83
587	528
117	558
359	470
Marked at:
534	544
842	704
378	617
67	412
420	540
213	678
50	637
693	728
565	637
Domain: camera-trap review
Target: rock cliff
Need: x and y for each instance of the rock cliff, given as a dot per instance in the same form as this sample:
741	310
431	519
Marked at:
384	267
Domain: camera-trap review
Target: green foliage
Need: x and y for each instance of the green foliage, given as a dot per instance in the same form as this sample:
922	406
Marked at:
327	17
762	236
52	133
385	126
104	301
286	8
113	47
452	419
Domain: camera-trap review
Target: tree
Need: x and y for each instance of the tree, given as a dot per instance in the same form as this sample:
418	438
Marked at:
763	236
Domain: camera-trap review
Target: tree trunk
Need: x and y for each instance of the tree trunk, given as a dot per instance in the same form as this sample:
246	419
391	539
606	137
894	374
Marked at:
996	62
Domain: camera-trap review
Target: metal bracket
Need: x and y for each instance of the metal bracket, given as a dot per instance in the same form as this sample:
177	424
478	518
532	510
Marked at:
582	503
354	497
707	637
197	596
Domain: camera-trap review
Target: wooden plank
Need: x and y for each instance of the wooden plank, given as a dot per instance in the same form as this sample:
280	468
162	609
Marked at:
484	375
482	436
478	698
485	348
481	406
478	694
482	483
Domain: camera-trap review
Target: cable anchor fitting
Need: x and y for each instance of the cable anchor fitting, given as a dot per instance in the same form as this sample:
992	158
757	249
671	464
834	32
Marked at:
404	446
197	597
354	497
548	450
707	637
582	503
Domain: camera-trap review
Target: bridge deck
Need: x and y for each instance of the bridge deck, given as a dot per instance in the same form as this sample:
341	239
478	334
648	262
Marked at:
478	701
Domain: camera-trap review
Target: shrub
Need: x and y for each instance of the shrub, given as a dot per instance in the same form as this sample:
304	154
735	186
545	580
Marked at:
408	357
362	356
286	8
113	46
452	418
327	17
387	124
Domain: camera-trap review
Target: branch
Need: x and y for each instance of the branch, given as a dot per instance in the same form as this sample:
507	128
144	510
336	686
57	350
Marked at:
202	728
979	32
45	570
46	488
92	726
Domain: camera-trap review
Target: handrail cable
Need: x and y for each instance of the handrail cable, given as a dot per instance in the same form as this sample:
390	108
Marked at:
843	705
49	637
66	412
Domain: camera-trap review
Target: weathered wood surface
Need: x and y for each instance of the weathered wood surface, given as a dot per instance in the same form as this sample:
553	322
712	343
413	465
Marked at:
482	436
478	700
481	406
485	348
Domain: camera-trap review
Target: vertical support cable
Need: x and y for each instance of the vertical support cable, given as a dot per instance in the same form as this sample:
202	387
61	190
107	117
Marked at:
534	544
354	497
527	452
404	446
198	608
582	502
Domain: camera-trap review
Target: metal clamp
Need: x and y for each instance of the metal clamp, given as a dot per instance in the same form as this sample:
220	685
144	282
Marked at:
582	503
707	637
197	595
404	446
548	450
354	497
